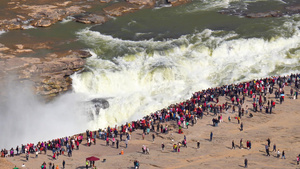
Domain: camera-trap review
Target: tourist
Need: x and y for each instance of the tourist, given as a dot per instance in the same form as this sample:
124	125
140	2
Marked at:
283	155
232	145
246	163
126	142
267	150
269	141
241	144
211	136
27	156
242	126
250	144
274	147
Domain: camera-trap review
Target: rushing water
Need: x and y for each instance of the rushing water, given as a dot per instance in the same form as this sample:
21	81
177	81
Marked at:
149	59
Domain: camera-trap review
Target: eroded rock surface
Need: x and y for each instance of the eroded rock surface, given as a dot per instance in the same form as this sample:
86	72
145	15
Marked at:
119	9
46	13
51	75
91	18
289	10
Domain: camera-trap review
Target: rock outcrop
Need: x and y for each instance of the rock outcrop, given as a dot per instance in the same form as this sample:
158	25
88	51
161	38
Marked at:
51	75
47	13
121	8
142	2
264	14
177	2
105	1
91	18
290	10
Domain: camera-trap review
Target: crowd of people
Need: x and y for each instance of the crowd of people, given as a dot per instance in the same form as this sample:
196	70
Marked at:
183	114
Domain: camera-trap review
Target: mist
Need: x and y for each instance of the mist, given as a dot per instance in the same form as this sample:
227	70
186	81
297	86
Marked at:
27	118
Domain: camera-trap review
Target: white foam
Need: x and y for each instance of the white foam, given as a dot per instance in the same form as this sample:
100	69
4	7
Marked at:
143	82
2	32
28	27
67	19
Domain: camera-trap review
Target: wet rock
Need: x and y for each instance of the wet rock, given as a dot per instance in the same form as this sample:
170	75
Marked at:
105	1
121	8
12	24
6	56
177	2
16	63
24	50
53	76
264	15
64	3
46	15
142	2
294	8
91	19
42	23
3	48
290	10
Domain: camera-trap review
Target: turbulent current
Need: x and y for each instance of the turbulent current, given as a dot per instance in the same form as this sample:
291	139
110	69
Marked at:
144	61
142	75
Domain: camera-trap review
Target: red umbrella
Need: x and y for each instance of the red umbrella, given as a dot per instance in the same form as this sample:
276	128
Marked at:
92	158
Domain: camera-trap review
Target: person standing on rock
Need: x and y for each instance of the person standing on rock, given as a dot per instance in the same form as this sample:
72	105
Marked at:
267	150
117	144
269	141
274	147
283	155
126	142
242	126
278	153
211	136
241	144
198	144
246	162
162	146
232	145
250	144
27	156
153	137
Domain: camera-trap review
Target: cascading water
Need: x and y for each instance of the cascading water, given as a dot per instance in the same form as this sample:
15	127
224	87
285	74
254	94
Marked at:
141	77
144	61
